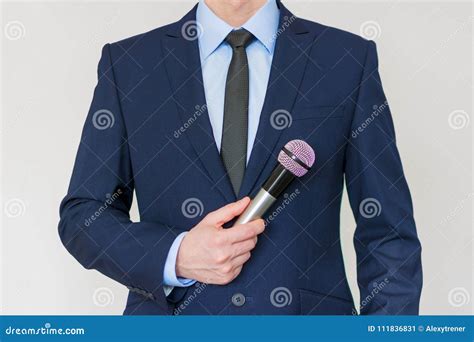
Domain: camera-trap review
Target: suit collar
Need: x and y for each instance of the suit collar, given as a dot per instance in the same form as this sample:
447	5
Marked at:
287	21
214	30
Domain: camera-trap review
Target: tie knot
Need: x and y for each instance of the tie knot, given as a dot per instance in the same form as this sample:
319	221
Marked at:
239	38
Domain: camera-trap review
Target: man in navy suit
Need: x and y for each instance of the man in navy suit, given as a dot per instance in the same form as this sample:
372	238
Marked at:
191	116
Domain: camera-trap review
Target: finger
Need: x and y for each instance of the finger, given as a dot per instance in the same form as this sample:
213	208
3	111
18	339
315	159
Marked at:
236	272
243	247
241	260
242	232
259	225
226	213
224	279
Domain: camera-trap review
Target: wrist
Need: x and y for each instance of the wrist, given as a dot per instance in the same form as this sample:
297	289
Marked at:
180	269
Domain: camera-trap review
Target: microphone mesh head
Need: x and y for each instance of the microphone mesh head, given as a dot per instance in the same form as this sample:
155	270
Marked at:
300	150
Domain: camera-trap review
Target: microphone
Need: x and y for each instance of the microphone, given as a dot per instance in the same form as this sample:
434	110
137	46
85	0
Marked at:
294	160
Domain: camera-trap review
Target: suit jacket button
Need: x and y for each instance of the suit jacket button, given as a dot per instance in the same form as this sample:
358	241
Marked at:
238	299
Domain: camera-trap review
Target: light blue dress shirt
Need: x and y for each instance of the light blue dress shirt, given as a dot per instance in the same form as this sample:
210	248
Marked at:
215	56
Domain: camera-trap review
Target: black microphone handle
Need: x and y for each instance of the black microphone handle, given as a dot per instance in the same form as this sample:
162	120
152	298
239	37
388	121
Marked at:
278	181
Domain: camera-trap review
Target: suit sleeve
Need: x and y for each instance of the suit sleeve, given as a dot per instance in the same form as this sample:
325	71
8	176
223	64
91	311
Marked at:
388	251
95	226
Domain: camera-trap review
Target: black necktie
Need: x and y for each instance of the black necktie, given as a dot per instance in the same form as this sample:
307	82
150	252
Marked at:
235	128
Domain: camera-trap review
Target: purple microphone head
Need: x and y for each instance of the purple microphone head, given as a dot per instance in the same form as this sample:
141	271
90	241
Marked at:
297	157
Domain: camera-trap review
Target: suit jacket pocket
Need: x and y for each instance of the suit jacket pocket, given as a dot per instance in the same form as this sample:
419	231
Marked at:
323	128
318	112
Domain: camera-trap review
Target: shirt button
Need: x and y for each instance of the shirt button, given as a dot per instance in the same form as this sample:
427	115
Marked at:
238	299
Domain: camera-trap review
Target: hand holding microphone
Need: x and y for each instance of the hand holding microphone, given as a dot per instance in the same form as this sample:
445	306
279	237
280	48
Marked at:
294	160
214	255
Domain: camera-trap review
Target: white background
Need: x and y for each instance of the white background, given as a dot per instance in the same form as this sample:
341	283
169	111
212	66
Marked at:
50	52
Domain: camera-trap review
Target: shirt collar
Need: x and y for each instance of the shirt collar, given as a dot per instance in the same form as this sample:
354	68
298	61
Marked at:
263	25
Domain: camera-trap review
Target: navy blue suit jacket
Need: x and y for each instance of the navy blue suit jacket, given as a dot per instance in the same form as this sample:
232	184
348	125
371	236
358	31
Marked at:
148	131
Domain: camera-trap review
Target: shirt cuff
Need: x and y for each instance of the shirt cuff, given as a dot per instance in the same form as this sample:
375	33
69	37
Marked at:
169	273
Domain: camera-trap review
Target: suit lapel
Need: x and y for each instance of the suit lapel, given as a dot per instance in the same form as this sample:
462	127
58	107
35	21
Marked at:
183	65
293	46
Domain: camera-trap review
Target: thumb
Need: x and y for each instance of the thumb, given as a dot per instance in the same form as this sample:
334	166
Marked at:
227	212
